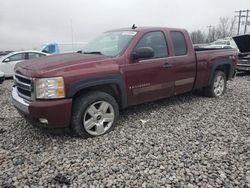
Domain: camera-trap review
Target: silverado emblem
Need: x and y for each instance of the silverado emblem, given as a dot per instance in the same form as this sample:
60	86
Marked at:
139	86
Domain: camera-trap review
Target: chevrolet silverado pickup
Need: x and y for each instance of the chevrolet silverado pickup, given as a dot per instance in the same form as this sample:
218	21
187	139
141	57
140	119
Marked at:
120	68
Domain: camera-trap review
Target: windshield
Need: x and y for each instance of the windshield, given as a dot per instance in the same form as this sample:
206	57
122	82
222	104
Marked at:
110	43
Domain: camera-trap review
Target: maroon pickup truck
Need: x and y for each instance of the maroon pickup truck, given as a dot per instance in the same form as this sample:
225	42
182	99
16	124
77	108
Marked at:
123	67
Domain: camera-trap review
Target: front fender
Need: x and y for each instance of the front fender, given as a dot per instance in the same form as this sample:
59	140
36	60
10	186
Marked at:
74	88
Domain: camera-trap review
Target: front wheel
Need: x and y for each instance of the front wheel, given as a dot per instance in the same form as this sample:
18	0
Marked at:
94	114
218	85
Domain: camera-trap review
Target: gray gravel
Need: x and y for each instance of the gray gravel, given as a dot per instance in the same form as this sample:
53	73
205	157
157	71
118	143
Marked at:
185	141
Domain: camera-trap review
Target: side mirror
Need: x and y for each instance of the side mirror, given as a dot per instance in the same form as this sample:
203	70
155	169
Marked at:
6	60
143	53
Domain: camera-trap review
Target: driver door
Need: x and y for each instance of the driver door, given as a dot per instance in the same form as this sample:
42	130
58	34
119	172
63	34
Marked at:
151	78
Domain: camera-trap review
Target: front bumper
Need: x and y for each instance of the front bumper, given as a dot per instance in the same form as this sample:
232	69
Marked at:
243	67
56	112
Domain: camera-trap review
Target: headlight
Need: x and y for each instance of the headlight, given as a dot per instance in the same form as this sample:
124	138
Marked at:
50	88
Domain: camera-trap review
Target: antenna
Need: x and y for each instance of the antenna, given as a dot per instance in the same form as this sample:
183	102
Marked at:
72	35
134	27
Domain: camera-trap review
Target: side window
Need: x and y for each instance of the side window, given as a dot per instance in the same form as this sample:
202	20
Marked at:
46	49
34	55
17	57
52	49
179	42
155	40
49	49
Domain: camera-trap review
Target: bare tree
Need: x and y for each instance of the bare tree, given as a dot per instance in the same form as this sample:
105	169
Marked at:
226	27
223	27
198	37
232	30
212	35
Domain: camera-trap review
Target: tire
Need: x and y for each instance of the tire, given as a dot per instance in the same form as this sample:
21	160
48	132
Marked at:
217	86
94	114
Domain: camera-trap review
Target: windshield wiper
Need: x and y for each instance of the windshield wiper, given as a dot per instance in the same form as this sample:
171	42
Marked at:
94	52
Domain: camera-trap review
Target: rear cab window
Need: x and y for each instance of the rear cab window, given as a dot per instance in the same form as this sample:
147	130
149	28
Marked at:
179	43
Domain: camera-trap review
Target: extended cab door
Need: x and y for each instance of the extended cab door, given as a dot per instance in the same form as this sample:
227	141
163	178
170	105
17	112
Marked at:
184	62
150	78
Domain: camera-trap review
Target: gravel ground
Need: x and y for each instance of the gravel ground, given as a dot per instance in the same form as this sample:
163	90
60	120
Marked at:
185	141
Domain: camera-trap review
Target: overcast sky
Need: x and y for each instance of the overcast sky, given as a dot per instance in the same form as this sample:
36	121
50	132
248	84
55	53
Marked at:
28	24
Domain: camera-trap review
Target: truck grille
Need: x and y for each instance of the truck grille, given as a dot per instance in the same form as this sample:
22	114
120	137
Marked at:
244	61
24	86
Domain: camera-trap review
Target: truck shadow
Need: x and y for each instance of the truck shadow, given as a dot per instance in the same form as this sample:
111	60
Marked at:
242	74
130	111
152	106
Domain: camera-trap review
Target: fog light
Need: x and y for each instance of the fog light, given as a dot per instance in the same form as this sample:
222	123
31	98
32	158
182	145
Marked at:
42	120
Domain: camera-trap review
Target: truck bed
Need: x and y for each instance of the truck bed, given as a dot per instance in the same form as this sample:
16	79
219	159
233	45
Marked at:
205	58
209	49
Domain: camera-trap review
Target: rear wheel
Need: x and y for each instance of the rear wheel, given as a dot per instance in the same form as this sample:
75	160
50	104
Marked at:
218	85
94	114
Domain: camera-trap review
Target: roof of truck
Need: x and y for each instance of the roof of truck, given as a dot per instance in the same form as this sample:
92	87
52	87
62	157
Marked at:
146	28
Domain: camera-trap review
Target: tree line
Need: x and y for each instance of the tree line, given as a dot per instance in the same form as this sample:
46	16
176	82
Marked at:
225	28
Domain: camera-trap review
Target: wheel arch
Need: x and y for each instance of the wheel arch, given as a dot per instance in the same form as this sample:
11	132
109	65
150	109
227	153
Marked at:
222	65
113	85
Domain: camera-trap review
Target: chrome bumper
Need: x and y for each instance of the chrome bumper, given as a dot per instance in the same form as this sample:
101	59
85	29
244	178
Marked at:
19	102
243	67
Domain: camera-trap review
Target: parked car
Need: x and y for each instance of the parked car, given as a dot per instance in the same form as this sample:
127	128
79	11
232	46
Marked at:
243	43
58	48
225	42
2	77
121	68
219	46
8	62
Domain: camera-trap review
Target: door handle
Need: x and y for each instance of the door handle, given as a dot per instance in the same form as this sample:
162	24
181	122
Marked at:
167	66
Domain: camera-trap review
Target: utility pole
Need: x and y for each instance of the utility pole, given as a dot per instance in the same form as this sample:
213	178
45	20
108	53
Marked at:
242	14
209	32
209	29
245	30
238	31
72	35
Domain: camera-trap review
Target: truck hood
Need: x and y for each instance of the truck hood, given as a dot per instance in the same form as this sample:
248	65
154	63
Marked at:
55	63
243	43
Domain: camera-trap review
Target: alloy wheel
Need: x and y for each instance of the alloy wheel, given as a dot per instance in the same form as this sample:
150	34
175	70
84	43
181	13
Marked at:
98	118
219	85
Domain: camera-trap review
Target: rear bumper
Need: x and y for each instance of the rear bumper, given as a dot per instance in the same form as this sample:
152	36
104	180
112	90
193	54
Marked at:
243	67
47	113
